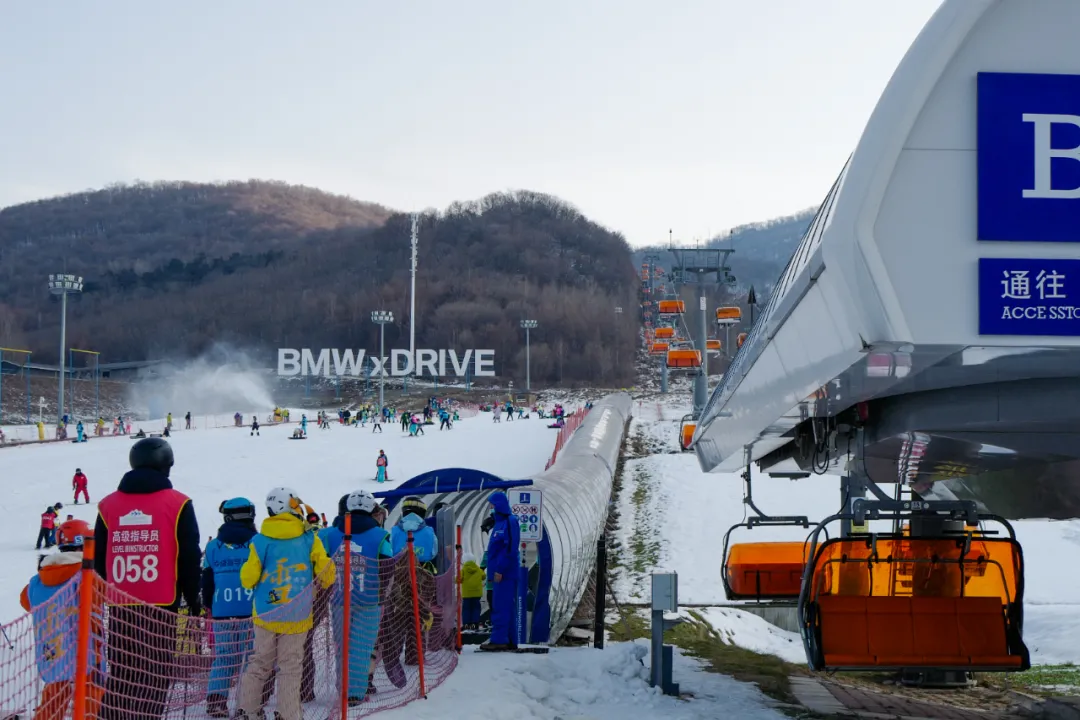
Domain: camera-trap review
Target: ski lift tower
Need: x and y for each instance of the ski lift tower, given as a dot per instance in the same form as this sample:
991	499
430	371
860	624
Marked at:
701	263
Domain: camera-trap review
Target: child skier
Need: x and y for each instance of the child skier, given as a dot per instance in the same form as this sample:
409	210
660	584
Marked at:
376	422
48	523
227	600
381	464
303	423
53	602
255	426
285	558
472	588
79	485
79	430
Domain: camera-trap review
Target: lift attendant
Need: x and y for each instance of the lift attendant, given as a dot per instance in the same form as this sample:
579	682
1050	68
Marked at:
154	572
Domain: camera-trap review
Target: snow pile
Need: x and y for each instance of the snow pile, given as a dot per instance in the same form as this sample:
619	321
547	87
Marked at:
749	631
583	684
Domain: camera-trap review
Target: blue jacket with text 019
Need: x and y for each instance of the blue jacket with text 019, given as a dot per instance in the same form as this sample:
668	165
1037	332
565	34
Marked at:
222	593
503	544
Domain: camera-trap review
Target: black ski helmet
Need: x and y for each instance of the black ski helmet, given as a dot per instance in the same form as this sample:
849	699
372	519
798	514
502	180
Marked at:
151	453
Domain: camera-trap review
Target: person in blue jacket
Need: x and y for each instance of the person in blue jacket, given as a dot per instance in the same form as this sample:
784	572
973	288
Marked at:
369	553
227	600
413	519
502	570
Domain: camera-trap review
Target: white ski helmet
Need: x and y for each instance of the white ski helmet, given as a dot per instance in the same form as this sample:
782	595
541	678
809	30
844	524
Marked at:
361	500
283	500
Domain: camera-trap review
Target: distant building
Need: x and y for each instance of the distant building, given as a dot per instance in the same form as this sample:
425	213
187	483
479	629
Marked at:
124	371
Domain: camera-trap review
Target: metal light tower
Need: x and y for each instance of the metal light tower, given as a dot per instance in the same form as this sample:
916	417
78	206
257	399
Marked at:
381	318
618	317
528	325
62	285
412	293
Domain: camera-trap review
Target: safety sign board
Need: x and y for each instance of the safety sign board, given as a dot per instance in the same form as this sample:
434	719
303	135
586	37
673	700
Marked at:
528	509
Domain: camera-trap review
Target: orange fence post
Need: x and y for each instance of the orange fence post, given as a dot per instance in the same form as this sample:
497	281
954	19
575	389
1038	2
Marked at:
458	578
345	612
416	615
86	616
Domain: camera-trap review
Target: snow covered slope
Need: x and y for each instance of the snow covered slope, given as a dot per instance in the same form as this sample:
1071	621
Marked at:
212	465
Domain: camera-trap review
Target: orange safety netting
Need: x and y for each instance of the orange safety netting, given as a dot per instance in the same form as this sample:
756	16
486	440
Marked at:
572	422
396	623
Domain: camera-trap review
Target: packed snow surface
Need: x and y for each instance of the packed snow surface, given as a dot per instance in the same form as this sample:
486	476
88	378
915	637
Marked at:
216	464
583	684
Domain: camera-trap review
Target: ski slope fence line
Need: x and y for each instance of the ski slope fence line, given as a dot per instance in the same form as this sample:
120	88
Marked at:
573	422
28	435
378	642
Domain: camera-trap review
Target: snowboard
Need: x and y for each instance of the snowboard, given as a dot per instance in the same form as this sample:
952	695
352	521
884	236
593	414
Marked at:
302	437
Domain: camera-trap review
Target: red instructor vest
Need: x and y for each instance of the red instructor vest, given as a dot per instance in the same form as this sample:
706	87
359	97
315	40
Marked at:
143	545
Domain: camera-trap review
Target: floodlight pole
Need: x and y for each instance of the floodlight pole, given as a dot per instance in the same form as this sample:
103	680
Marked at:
528	325
412	293
62	285
618	316
381	318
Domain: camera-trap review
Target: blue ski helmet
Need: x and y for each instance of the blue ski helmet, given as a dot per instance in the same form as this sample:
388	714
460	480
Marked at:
237	509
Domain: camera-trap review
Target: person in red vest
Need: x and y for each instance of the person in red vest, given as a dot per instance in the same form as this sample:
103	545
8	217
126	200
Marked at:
78	484
148	549
48	524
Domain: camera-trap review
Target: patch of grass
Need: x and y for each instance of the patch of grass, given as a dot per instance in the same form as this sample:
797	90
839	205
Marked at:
1043	680
645	541
699	639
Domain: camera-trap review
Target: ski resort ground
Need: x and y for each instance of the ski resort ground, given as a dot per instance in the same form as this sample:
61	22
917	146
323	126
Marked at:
670	516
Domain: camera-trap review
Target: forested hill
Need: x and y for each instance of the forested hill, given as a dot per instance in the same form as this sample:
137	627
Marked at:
173	268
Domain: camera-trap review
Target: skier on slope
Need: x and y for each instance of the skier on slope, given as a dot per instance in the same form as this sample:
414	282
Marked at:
381	464
255	426
79	485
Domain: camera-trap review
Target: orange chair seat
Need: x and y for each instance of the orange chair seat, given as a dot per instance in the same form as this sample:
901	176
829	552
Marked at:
765	570
897	632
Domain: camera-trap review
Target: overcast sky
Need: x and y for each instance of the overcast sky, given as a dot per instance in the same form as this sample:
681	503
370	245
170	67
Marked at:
693	115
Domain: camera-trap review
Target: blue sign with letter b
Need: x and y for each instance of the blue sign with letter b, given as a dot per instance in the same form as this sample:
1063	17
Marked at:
1029	157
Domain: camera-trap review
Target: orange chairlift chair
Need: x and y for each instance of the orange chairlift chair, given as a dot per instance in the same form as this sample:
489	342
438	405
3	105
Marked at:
893	601
764	571
658	348
687	426
714	345
665	333
683	359
671	307
728	315
741	339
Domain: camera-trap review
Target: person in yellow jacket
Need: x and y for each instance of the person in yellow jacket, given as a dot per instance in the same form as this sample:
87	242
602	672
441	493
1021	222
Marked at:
286	558
472	589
